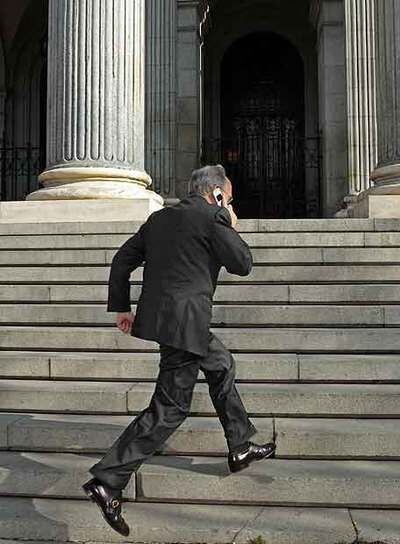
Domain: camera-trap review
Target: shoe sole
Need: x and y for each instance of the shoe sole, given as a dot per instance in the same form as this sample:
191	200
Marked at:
246	465
93	498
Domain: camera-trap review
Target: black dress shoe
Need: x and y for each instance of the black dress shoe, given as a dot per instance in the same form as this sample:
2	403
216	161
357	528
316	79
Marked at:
109	504
239	461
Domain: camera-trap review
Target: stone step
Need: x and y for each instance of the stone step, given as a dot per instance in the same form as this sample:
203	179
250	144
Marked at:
41	474
95	433
207	479
268	339
61	520
250	367
371	484
351	294
244	225
144	366
309	274
241	293
129	227
256	239
99	293
295	437
100	257
372	400
231	315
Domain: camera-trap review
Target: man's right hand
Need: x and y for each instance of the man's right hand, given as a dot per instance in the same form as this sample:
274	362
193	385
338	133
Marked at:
125	321
233	215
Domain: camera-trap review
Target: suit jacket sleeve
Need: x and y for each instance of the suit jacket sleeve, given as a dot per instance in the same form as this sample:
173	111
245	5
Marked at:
229	248
128	257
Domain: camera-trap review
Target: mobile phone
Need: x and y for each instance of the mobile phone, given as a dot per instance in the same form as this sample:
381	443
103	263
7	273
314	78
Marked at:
218	196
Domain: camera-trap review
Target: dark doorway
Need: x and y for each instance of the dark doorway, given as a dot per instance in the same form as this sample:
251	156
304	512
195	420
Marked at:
262	126
22	156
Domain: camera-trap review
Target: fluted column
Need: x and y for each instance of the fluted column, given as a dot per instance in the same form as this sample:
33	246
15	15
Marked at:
361	93
161	93
95	108
387	174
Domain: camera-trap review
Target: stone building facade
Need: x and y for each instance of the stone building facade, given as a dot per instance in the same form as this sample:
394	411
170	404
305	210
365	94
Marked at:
114	102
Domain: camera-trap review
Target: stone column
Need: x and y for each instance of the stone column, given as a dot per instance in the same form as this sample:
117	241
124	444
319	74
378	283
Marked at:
95	108
361	95
387	174
383	198
161	93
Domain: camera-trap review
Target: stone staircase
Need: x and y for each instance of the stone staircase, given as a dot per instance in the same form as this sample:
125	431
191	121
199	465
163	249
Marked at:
314	330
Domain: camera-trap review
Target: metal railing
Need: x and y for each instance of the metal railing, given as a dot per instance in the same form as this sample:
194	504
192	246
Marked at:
19	170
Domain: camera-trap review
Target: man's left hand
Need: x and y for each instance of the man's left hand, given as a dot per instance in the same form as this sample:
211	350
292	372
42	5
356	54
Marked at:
125	321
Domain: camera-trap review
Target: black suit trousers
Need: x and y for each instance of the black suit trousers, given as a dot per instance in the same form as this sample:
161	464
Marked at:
169	407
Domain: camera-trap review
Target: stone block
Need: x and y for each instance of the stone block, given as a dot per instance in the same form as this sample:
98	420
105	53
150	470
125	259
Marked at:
101	366
48	474
6	420
277	525
111	209
287	255
144	366
274	339
386	224
188	138
392	315
188	83
187	110
315	225
79	521
377	205
362	255
187	56
335	438
76	227
51	257
24	364
272	482
317	274
96	433
63	396
304	239
62	241
293	399
388	239
251	293
187	16
378	526
98	293
22	293
186	163
349	367
344	293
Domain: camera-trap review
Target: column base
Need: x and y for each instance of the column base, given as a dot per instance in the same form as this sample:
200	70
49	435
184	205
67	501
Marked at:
383	199
61	211
371	204
81	182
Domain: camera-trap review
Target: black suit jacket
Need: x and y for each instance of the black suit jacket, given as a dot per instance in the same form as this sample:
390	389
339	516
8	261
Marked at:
183	248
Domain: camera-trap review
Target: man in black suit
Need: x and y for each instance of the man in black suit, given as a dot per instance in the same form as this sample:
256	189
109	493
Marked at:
183	248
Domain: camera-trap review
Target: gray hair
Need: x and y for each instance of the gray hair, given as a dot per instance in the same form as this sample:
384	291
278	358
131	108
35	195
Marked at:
204	180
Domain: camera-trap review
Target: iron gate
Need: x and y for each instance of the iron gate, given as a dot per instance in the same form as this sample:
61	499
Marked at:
268	168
